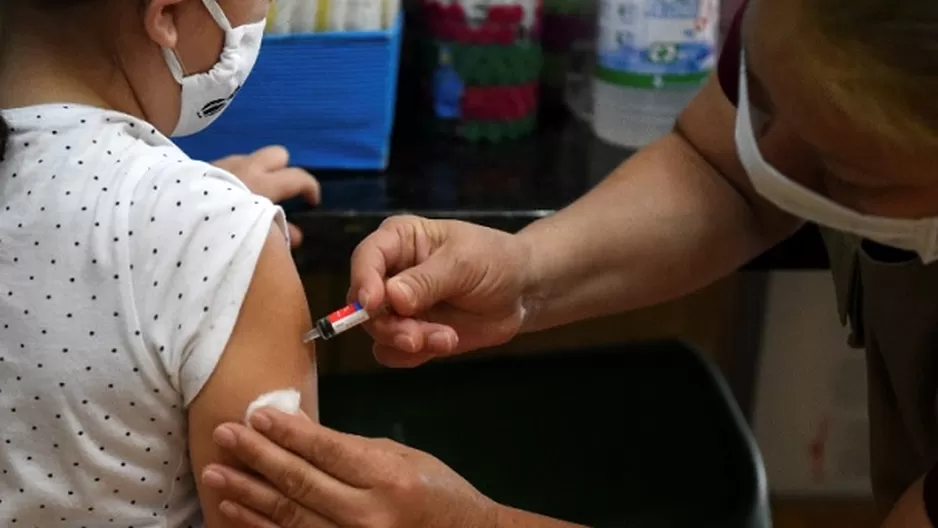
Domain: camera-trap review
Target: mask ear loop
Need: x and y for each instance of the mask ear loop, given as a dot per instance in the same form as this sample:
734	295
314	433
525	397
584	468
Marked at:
218	14
175	64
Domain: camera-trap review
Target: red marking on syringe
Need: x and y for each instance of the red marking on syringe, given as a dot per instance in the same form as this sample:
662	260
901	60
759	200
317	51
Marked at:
337	322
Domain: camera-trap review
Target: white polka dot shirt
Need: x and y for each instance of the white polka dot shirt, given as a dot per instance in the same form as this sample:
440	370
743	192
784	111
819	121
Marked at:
123	265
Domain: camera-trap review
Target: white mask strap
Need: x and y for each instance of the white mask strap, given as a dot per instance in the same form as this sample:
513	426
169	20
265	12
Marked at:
216	11
175	65
172	58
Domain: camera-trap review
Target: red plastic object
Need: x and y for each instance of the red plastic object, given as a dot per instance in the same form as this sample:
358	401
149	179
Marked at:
505	15
505	35
455	13
460	33
499	103
488	34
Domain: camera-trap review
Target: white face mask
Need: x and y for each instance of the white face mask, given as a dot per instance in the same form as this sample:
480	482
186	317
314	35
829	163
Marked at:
206	95
918	235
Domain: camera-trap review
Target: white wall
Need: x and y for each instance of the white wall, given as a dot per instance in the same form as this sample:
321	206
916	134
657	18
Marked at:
810	398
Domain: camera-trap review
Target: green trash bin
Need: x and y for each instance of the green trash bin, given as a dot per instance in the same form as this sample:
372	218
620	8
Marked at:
639	436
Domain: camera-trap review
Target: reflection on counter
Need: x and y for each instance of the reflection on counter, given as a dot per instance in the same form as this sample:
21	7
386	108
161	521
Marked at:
505	186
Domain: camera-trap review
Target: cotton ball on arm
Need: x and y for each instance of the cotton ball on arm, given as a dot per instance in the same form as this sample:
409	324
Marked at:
284	400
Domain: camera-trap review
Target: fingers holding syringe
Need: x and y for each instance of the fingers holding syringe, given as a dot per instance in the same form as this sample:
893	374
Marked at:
411	335
371	262
394	358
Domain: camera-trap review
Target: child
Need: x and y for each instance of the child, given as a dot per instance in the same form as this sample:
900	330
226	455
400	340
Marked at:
144	297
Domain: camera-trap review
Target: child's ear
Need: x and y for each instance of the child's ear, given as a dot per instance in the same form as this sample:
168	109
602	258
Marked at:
159	20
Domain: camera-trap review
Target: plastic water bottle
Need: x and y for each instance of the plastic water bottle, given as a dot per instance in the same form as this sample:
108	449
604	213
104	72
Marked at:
652	58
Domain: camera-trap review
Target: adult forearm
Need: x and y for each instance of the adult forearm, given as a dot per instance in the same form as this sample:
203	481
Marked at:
910	511
512	518
662	225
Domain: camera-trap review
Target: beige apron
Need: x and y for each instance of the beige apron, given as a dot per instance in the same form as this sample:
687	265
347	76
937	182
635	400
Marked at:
889	299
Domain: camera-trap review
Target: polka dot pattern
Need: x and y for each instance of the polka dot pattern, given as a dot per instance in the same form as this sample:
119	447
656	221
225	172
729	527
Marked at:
123	265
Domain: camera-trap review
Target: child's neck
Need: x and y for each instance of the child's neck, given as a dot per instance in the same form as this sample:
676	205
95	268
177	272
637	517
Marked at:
41	74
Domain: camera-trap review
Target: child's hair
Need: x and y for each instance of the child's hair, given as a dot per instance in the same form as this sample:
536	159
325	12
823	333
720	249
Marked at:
877	62
4	127
6	13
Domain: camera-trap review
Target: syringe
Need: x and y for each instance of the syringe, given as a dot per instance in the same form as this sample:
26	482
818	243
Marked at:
337	322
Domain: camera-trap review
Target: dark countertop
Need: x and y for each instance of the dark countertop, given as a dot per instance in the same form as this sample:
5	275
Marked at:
505	186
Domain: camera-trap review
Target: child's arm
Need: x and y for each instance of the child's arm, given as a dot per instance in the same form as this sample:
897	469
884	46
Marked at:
218	303
264	353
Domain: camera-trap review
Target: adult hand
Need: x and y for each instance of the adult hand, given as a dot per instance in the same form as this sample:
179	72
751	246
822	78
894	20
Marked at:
453	287
321	478
266	172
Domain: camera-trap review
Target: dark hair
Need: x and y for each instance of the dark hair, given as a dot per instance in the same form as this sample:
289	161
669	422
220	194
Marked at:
4	136
6	7
4	127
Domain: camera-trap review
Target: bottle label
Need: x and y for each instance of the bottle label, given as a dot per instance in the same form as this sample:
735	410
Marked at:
657	43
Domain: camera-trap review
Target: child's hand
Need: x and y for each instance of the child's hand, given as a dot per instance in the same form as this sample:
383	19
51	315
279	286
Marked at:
266	172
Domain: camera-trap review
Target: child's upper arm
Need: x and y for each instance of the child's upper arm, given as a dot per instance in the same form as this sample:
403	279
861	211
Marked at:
264	353
219	305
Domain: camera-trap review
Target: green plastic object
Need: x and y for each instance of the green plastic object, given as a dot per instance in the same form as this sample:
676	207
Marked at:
479	65
484	66
495	132
639	435
568	6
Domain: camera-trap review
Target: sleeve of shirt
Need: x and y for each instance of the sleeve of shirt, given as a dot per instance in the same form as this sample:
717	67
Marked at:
197	235
728	65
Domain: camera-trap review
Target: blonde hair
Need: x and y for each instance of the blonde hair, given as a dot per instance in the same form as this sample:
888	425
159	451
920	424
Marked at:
878	60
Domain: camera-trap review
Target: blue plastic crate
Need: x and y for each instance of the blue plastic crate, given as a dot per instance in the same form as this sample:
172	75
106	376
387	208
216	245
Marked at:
327	97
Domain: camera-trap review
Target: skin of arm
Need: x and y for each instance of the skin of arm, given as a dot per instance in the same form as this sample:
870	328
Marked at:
675	217
264	353
909	512
512	518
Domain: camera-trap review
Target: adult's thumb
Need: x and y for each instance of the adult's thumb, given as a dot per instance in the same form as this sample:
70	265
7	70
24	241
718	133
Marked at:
421	287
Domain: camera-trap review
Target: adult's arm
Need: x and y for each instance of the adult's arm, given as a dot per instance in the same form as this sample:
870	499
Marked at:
910	511
313	477
514	518
673	218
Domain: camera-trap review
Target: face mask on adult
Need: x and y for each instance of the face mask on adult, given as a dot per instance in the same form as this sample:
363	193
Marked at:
206	95
918	235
